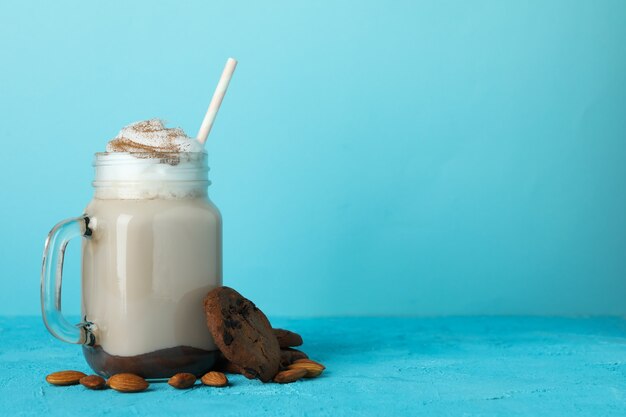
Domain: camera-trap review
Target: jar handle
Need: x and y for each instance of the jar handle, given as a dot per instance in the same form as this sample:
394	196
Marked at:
51	277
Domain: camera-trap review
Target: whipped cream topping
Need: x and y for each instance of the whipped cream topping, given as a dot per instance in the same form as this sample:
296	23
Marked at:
151	136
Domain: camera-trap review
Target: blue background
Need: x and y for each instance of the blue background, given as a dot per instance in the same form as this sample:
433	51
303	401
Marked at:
371	158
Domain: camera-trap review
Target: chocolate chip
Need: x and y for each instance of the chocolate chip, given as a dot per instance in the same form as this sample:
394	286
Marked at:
232	324
228	338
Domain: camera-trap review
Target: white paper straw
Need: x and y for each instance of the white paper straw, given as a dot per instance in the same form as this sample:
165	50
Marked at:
216	101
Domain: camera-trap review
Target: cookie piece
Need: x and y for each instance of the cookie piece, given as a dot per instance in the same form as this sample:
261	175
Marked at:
288	356
242	333
287	338
224	365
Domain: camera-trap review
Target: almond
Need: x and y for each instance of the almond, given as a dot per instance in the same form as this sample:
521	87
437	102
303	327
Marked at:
215	379
312	368
290	375
93	382
182	380
309	361
65	377
127	383
312	371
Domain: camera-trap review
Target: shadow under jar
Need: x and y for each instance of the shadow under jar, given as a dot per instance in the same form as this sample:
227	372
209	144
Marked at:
152	249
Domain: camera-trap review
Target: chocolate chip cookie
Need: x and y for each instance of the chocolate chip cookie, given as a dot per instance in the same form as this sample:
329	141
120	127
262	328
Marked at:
288	356
287	338
243	333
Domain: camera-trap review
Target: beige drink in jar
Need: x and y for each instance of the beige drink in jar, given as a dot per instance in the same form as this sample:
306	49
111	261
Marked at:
152	250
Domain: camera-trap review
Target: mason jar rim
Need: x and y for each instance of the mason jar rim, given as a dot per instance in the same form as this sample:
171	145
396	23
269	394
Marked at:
141	158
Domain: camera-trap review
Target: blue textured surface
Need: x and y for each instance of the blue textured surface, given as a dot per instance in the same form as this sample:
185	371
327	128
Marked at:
375	367
472	151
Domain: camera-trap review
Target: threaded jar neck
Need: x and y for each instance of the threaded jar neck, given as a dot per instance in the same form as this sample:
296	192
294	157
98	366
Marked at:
151	175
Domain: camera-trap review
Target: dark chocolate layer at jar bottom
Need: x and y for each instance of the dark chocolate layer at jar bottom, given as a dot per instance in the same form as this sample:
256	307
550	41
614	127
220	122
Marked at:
158	364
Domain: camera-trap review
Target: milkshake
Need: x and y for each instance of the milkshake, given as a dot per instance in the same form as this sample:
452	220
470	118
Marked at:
152	250
154	253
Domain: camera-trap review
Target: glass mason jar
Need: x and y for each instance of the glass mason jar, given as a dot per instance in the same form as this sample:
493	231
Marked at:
152	249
